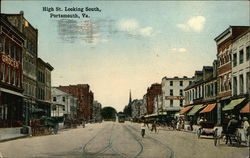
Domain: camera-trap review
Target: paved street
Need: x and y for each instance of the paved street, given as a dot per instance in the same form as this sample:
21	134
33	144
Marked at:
118	140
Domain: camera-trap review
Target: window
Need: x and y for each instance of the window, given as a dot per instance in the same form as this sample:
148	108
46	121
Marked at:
181	92
235	86
14	77
181	83
3	46
63	99
3	72
9	47
9	74
171	92
234	59
190	82
241	84
241	56
171	83
181	103
171	102
248	82
247	53
14	52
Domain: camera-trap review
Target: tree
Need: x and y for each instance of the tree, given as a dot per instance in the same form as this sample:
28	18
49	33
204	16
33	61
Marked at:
108	113
128	111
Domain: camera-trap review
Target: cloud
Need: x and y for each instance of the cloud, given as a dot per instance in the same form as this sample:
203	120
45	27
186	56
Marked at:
194	24
128	24
179	50
133	29
146	31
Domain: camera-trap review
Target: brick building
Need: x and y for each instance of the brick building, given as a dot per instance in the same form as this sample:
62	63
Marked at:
152	92
85	97
11	72
224	56
30	53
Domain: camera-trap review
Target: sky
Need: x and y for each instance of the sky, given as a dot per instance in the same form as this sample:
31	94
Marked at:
127	45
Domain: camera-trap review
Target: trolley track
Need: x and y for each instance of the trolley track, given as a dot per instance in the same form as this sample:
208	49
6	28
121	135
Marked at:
172	155
107	147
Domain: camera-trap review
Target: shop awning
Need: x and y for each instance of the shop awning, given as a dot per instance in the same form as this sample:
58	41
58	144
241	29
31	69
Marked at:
156	114
233	104
209	108
246	108
185	109
195	109
11	92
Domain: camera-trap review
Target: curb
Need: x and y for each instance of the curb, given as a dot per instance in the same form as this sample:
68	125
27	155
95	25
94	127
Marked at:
13	138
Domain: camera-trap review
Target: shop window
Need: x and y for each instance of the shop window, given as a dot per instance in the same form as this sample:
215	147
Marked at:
241	57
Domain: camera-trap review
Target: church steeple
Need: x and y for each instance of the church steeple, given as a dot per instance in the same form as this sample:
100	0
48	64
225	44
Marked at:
130	97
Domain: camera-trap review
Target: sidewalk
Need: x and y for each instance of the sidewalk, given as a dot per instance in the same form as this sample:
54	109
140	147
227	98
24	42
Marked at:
7	134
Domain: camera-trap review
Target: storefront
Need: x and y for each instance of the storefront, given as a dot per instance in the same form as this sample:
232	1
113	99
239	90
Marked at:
210	113
10	108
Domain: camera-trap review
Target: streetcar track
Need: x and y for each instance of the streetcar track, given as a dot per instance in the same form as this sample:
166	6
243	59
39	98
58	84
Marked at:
172	155
103	150
137	140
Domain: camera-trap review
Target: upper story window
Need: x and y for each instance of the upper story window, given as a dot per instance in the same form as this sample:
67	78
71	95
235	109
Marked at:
171	103
171	83
54	98
190	82
234	59
181	102
3	43
63	99
9	47
247	53
181	83
171	92
241	56
181	92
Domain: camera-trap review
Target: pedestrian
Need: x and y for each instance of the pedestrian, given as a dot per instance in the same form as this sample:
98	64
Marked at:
246	129
231	128
191	123
143	128
154	126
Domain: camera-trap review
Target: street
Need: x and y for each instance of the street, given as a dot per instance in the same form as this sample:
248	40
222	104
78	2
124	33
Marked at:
118	140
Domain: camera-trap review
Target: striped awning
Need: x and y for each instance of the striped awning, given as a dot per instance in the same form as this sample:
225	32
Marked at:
246	108
195	109
185	109
209	108
233	104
